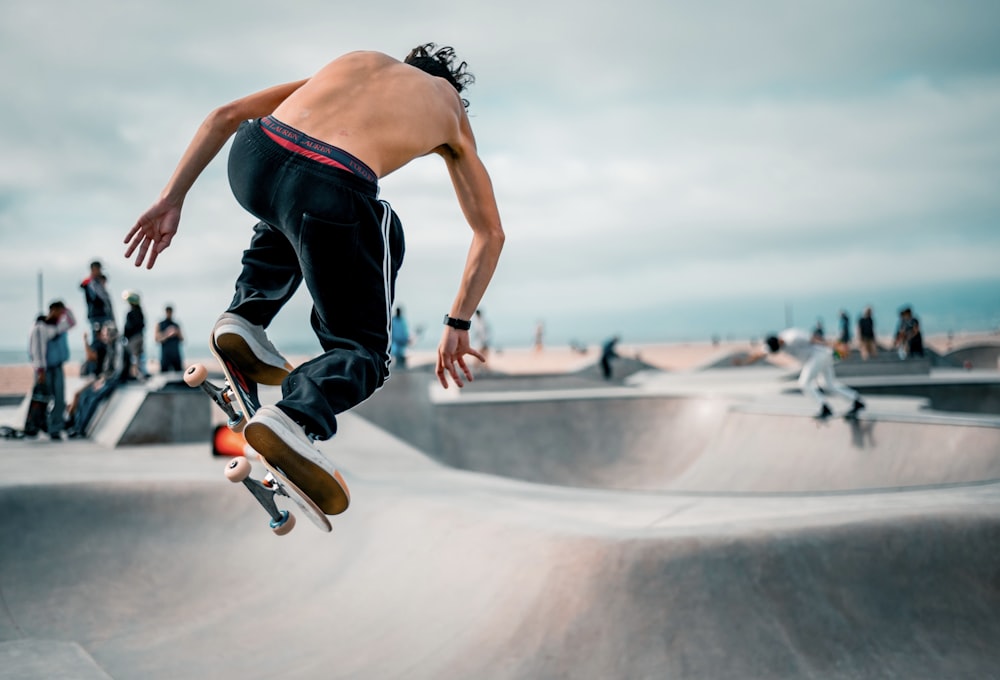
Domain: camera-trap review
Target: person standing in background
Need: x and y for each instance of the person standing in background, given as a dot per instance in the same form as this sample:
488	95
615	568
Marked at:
844	336
49	350
909	339
866	335
99	309
134	330
400	338
482	336
95	293
169	336
609	351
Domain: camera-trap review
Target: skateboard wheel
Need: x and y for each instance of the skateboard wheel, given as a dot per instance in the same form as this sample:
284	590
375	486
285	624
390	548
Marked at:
195	375
238	469
286	524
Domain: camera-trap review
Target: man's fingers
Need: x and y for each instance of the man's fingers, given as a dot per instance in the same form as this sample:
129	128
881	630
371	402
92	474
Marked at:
153	252
454	374
131	232
440	372
465	369
141	255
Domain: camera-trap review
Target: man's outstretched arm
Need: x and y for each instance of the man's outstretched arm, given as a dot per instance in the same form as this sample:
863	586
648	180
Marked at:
155	228
478	202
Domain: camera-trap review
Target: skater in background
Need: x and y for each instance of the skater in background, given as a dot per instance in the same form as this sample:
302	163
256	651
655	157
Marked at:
817	364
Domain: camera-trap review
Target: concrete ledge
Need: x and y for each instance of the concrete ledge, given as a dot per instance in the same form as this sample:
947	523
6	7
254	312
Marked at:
153	413
882	366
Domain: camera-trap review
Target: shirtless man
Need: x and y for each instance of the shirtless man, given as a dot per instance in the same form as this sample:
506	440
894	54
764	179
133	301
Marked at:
305	161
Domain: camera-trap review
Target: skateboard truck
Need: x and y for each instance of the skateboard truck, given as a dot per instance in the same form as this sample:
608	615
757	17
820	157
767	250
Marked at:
238	470
197	376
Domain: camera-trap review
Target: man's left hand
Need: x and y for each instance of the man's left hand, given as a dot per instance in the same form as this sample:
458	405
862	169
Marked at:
452	350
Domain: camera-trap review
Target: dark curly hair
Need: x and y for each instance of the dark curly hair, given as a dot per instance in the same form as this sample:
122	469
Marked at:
440	62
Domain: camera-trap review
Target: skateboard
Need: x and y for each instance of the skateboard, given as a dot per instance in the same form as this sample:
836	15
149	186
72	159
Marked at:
270	487
238	399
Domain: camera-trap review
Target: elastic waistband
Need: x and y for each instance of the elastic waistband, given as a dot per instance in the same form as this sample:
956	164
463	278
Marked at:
315	149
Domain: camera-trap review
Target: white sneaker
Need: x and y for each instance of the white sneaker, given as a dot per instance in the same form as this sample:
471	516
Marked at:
246	345
284	444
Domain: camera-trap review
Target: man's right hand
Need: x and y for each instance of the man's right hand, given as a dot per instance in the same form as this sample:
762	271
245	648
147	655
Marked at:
153	232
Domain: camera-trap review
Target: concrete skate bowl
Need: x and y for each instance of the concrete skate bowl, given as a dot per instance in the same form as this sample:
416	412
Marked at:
974	393
625	441
467	578
985	357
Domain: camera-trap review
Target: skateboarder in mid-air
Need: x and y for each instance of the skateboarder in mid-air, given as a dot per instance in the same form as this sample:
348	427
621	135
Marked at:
305	161
817	362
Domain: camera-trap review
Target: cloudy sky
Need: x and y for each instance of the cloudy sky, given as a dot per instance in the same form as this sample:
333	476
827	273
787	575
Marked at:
664	169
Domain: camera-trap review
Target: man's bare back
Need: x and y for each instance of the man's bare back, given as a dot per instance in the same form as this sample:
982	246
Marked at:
380	110
385	113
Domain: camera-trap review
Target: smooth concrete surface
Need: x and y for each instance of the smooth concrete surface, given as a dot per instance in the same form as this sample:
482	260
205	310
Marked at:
985	356
143	562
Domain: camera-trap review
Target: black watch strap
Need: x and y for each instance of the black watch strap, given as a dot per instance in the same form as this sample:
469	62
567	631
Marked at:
458	324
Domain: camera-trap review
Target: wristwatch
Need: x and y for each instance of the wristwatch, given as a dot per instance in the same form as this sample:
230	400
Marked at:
458	324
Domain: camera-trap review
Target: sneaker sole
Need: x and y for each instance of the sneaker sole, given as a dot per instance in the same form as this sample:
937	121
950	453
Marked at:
328	491
236	348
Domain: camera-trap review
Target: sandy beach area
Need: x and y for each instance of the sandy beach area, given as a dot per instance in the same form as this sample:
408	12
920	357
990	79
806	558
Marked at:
17	378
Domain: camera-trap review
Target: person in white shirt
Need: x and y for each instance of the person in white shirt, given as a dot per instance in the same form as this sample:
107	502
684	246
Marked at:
817	363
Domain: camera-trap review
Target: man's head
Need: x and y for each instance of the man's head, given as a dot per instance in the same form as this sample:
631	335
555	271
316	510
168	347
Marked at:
773	343
440	62
169	311
95	268
56	310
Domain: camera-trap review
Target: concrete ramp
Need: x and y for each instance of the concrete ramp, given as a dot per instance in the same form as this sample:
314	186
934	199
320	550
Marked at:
158	411
628	439
984	357
148	564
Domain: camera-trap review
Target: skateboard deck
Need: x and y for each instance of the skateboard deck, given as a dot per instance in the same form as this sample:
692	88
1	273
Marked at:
244	390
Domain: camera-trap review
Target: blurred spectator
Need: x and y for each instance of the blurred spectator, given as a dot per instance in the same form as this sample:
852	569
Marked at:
134	332
49	350
909	340
169	336
609	352
400	338
866	335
